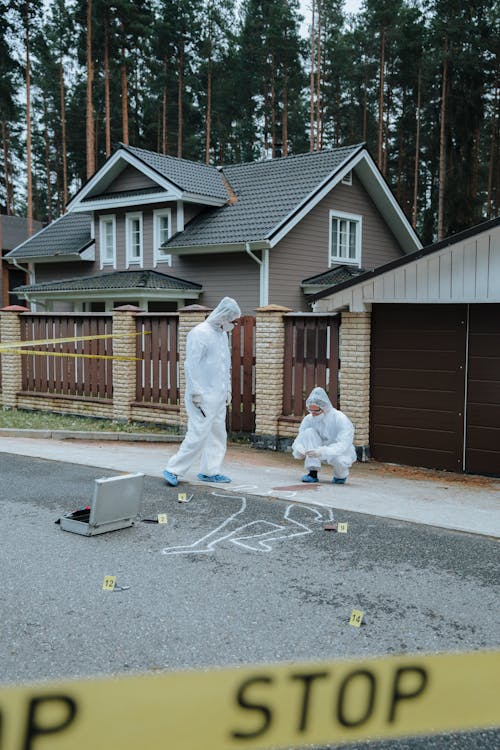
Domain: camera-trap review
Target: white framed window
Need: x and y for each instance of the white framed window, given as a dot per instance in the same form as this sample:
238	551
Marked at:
107	240
133	238
162	230
345	238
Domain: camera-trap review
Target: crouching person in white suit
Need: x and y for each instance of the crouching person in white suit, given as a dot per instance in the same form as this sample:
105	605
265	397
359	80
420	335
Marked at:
325	436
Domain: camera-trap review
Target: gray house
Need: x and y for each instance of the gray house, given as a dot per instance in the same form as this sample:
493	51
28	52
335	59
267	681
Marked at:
162	232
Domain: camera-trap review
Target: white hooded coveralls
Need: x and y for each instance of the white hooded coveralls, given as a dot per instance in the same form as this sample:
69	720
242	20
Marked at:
331	432
207	368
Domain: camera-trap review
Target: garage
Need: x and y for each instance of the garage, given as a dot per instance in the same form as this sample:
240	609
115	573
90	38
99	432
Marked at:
420	365
435	386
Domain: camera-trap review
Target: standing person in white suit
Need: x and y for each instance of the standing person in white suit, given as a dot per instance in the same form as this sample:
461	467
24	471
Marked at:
208	391
325	435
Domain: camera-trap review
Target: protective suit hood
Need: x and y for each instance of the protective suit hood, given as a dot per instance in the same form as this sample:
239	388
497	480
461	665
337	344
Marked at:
223	315
319	397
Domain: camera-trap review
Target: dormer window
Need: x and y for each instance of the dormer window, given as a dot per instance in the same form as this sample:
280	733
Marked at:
345	238
107	240
133	234
162	230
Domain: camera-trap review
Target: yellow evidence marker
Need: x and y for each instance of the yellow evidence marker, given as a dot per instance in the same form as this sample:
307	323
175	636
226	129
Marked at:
109	583
162	518
356	618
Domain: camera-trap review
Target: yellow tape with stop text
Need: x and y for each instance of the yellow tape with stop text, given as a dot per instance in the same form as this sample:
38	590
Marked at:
263	706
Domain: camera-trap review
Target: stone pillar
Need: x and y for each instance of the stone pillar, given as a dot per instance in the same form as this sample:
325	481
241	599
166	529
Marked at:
189	317
355	332
269	355
10	331
124	371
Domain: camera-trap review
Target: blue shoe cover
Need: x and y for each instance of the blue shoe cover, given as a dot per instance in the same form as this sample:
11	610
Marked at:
170	478
336	480
221	478
309	479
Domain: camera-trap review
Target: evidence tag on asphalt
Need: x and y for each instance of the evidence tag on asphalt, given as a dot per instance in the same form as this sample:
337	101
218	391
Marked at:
266	706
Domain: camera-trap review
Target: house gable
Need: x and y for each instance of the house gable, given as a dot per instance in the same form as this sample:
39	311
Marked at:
463	268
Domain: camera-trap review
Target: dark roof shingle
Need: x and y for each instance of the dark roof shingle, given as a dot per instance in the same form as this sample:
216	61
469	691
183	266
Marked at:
141	279
68	235
267	193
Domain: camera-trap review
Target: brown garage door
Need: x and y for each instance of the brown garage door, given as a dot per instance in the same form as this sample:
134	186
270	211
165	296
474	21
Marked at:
483	398
418	384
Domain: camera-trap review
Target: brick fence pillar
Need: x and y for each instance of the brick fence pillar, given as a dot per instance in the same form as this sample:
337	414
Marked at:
124	371
189	317
269	356
355	376
12	378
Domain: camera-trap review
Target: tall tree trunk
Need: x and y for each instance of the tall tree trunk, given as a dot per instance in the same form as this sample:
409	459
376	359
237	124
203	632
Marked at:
494	146
180	95
6	168
208	123
124	99
107	95
89	129
442	143
365	106
319	127
28	127
284	121
47	160
273	109
311	83
164	120
417	151
64	157
381	98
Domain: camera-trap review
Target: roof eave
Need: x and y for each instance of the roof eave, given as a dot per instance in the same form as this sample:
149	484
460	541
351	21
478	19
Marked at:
233	247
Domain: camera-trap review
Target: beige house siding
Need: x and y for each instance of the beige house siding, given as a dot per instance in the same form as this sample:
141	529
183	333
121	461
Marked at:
130	179
303	252
45	272
232	274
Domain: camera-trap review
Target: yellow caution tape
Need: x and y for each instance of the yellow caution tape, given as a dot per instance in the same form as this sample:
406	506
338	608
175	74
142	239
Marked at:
41	342
265	706
67	354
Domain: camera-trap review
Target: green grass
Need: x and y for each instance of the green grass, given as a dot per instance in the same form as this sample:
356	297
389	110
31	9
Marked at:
22	419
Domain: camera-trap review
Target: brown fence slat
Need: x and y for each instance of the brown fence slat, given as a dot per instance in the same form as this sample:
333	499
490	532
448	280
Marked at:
242	415
310	359
157	374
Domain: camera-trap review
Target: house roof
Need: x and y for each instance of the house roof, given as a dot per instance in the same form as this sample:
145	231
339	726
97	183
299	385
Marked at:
116	280
267	193
14	230
333	276
190	176
474	277
68	235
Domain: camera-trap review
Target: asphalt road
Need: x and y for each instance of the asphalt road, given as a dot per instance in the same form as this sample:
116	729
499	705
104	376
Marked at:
229	580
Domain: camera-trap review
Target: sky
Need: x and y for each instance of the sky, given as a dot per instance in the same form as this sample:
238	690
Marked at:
350	6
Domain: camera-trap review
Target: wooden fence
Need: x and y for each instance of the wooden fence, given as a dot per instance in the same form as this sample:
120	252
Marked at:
157	375
311	359
68	375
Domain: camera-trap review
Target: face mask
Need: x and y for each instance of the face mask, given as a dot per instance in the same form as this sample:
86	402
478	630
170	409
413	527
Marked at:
227	327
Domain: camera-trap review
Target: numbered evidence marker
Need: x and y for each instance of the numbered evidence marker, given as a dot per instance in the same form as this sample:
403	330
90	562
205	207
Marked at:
182	497
109	583
356	618
342	528
162	518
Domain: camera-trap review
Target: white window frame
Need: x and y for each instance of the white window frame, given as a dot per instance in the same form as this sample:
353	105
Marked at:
103	222
159	214
347	178
358	221
133	260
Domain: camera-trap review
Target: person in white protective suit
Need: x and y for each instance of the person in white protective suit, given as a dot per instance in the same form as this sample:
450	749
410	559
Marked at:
207	368
325	435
